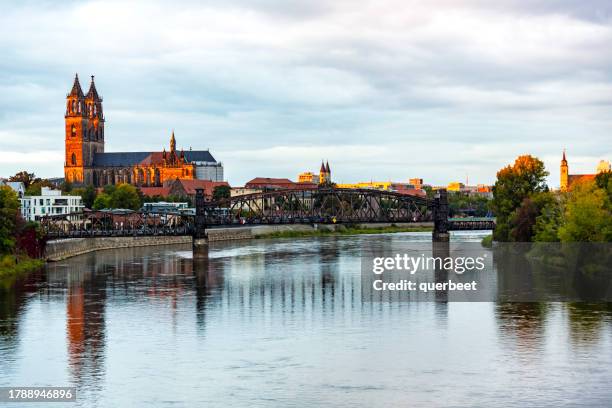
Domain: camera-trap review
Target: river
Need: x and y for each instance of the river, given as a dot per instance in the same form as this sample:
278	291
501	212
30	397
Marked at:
269	323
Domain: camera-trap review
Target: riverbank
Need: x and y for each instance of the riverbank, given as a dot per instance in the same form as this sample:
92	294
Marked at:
12	266
343	230
58	250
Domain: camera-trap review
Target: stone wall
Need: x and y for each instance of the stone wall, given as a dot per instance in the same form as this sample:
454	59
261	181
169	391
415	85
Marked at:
66	248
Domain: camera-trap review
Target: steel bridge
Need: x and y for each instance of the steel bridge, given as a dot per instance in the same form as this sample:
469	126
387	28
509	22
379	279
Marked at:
300	206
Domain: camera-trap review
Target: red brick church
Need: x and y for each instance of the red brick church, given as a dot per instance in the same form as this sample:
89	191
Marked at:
86	162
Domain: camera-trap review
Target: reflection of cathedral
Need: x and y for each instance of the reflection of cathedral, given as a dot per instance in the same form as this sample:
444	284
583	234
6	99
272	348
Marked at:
568	179
87	163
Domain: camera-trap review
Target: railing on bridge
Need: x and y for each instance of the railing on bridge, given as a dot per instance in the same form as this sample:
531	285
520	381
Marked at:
116	223
471	223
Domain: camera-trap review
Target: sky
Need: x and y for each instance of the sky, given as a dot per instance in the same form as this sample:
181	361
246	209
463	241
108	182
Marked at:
444	90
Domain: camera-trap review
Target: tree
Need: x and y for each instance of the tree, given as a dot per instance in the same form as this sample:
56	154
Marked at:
36	186
125	196
9	213
587	215
515	183
102	201
604	181
88	195
66	186
548	222
523	221
221	192
23	176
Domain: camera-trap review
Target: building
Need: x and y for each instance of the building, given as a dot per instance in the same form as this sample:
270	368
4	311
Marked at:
567	180
240	191
267	183
86	161
455	186
402	188
416	182
187	188
306	177
50	202
17	186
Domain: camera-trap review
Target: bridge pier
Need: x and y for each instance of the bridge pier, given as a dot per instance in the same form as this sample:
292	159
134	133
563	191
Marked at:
200	237
440	216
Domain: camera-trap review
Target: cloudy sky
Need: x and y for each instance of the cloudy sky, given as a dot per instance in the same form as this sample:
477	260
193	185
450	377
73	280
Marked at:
383	89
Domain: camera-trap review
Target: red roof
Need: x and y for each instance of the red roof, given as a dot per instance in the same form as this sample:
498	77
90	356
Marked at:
580	178
259	182
208	186
155	191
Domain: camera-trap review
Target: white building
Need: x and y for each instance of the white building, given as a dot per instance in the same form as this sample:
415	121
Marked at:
50	202
208	170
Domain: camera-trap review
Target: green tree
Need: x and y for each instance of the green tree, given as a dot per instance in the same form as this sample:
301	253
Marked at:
587	215
515	183
604	181
221	192
9	212
88	195
548	222
125	196
102	201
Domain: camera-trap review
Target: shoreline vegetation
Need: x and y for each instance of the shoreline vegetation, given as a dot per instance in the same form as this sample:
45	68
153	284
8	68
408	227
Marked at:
342	230
12	266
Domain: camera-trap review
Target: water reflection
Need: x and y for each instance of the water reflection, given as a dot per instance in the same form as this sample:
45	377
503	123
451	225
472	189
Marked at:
278	316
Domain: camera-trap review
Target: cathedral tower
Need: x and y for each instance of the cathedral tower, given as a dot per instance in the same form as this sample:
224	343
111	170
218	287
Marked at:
84	132
564	173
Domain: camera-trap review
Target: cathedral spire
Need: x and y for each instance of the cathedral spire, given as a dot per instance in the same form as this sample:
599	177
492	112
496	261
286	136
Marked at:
93	92
76	87
172	143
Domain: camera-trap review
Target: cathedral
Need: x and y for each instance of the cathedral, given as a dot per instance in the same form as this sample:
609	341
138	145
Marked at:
86	162
567	180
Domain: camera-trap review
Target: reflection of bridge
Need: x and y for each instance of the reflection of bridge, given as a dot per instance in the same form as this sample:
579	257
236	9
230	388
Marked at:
304	206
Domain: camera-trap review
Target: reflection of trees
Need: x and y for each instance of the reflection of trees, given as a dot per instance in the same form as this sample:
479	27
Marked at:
523	322
586	321
13	299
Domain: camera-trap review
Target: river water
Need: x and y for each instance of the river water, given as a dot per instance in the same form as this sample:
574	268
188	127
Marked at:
269	323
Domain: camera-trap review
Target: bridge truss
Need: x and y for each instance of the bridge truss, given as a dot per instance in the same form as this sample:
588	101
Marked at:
300	206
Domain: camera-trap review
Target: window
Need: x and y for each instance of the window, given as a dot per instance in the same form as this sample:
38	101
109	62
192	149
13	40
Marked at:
73	159
73	131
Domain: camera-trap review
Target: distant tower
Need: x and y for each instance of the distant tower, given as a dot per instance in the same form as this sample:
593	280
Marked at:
322	173
172	143
84	132
564	173
328	172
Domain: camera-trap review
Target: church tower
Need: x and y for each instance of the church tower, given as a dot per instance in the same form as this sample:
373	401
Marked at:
564	173
84	121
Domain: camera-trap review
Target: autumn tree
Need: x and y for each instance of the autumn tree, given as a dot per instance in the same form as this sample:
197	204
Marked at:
514	184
